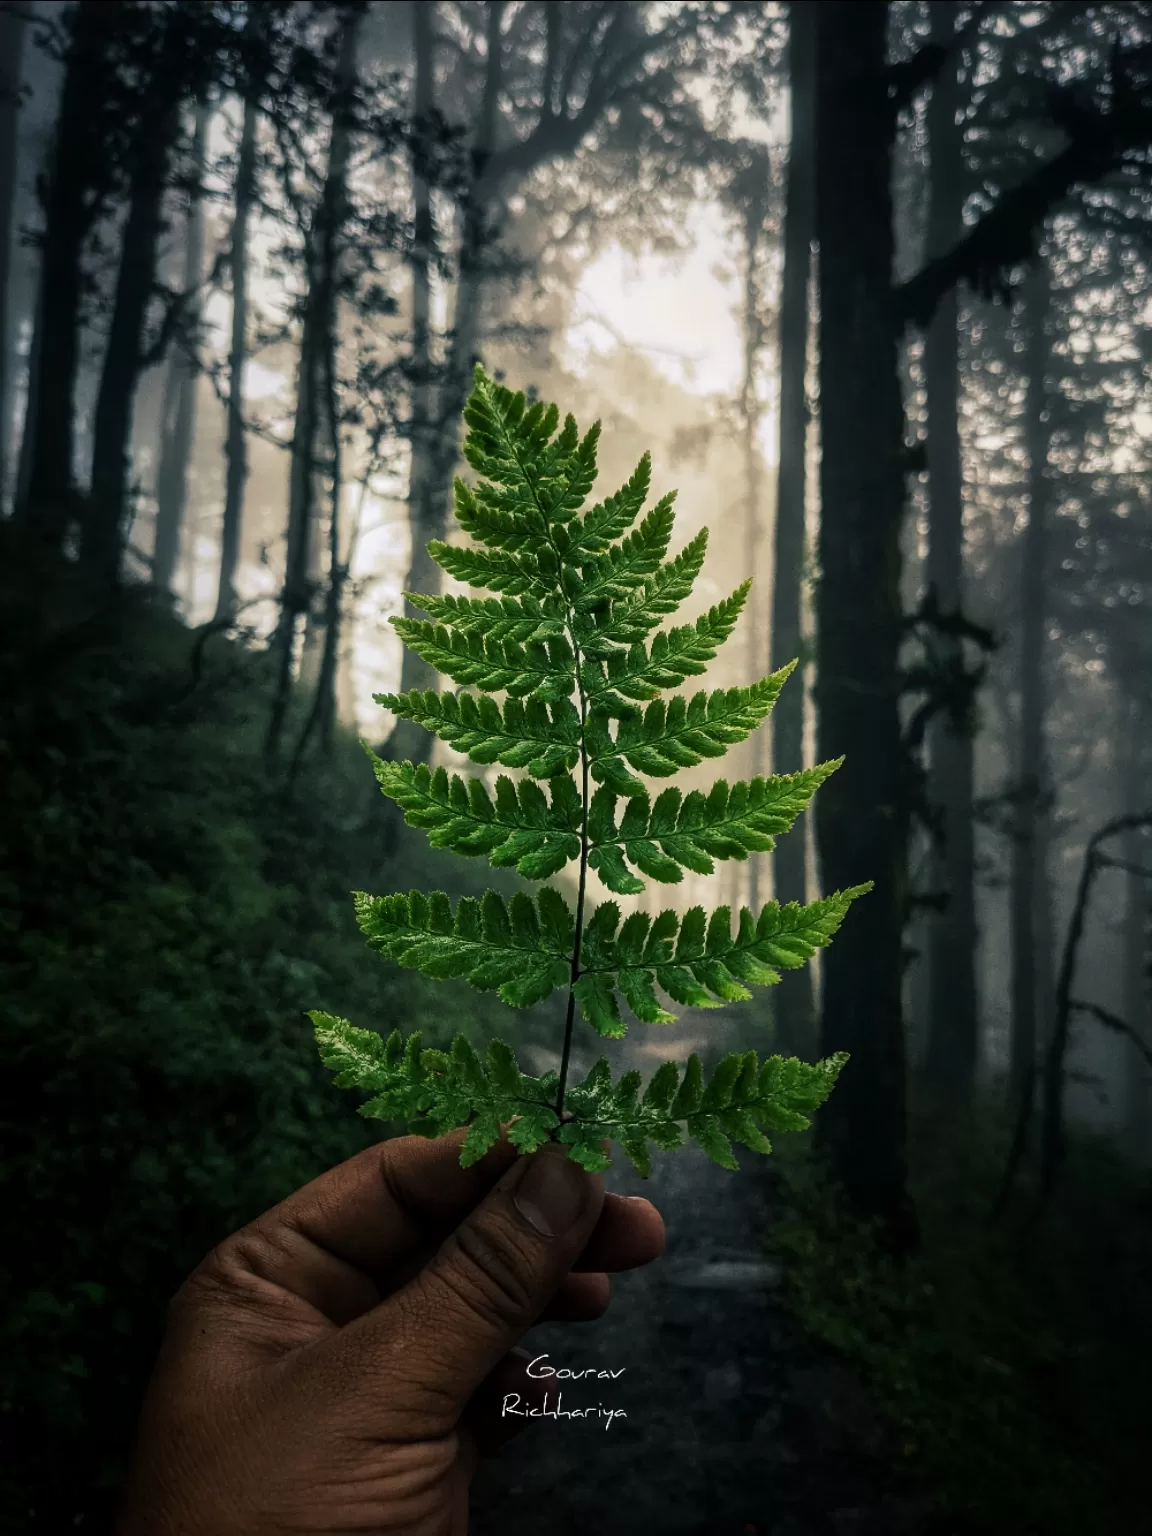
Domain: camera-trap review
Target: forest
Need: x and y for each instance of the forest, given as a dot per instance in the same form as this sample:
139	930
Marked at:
870	281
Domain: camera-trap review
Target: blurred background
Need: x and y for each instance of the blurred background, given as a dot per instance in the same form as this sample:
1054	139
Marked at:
870	281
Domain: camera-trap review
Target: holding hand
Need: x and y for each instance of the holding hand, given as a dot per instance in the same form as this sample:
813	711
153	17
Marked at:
339	1364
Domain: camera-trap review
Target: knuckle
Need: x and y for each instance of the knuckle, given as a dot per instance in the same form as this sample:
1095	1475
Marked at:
491	1274
233	1271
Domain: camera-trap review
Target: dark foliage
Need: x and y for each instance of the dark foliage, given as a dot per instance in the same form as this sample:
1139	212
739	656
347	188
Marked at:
165	918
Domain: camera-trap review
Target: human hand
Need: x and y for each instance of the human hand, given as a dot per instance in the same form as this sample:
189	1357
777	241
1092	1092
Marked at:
339	1364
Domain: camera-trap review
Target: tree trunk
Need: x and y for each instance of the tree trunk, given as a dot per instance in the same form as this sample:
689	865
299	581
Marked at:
322	714
236	442
11	74
426	519
435	446
950	1063
1044	920
31	396
321	262
755	212
792	1000
862	812
178	424
70	210
1030	755
102	534
294	596
313	660
1137	957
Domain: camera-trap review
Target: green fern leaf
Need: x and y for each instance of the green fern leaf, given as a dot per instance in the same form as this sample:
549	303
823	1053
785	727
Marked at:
633	617
506	618
538	669
667	737
689	832
568	635
707	965
496	571
641	672
613	516
520	950
626	566
520	829
544	739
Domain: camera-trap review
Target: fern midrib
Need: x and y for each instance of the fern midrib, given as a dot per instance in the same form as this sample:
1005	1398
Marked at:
585	797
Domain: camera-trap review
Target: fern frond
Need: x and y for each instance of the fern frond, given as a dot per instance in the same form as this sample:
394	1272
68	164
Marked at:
435	1091
518	830
509	444
506	618
572	643
543	739
520	949
678	733
683	832
697	960
641	672
633	617
624	567
543	669
496	571
612	517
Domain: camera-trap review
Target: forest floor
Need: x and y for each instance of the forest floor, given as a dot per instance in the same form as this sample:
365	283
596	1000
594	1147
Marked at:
736	1421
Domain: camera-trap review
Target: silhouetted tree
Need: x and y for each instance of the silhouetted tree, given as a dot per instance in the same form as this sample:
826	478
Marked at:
178	422
862	813
236	441
1030	790
953	1024
321	257
793	1005
81	177
175	59
573	64
12	24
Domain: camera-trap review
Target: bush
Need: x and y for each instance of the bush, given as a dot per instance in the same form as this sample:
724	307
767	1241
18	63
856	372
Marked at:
1012	1360
165	921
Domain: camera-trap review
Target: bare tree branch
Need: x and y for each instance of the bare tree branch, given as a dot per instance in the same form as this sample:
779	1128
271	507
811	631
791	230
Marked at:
1113	1022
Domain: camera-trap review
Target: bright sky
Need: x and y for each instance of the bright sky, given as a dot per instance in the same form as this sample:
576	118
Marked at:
680	310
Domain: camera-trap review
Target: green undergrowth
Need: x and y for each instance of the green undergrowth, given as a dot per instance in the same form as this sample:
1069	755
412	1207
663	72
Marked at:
1012	1361
165	920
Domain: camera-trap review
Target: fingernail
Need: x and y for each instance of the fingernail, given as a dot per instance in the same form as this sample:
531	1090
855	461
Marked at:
552	1192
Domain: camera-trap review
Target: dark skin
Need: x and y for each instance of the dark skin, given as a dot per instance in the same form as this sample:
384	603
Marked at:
339	1365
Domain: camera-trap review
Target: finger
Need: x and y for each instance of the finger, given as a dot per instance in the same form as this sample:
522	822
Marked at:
366	1227
334	1242
629	1234
431	1344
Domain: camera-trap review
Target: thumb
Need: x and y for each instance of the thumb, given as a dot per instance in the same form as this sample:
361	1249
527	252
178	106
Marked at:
428	1347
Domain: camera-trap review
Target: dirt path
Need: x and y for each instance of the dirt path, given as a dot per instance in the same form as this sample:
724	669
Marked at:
736	1422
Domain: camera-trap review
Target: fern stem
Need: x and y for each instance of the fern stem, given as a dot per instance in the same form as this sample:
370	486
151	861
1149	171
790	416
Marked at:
584	799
